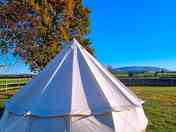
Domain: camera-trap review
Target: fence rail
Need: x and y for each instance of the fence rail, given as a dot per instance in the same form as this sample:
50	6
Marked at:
9	87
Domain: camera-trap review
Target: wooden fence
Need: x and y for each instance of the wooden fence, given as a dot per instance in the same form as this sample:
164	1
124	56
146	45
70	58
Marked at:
9	87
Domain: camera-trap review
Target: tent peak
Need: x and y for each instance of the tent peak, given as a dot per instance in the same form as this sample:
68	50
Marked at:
75	42
71	44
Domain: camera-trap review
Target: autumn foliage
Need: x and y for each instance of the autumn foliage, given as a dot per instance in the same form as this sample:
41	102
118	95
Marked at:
35	29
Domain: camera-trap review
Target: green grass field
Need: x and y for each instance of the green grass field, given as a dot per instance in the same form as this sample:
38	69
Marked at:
160	106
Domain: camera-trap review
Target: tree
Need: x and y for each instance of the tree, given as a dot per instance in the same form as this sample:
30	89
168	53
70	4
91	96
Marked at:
35	29
156	74
130	74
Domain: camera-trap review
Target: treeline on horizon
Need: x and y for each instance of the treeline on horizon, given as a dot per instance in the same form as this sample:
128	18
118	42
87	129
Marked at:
162	74
15	76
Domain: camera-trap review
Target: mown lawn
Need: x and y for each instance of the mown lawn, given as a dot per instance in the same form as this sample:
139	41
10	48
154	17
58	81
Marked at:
13	81
160	107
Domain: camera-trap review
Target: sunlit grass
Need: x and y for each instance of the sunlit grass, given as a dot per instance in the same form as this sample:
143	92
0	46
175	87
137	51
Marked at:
160	107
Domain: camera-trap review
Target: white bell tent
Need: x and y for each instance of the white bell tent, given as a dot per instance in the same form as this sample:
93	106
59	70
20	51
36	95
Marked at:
74	93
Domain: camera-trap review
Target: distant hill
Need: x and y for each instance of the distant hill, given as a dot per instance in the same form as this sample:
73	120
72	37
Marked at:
140	69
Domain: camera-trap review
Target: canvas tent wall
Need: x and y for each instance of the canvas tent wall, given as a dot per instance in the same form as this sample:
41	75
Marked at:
74	93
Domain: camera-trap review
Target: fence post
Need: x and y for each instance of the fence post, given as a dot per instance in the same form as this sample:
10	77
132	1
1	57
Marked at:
18	82
6	87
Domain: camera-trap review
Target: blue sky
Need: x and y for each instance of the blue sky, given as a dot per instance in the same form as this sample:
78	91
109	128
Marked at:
14	65
132	32
138	32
